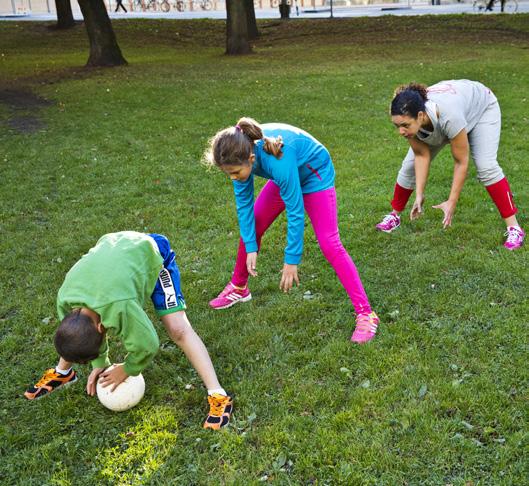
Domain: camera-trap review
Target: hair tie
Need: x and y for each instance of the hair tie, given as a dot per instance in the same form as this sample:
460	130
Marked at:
238	128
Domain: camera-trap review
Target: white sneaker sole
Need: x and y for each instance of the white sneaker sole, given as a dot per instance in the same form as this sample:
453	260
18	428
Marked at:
387	231
244	299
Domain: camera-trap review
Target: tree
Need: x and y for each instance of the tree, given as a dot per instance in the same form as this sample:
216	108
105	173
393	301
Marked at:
65	18
253	33
104	49
237	28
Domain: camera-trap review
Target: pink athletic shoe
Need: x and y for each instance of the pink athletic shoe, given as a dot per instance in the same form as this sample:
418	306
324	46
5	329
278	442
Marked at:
390	222
366	328
515	236
230	296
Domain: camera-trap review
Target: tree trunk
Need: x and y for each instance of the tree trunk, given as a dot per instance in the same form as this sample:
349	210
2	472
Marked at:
253	33
64	14
104	49
237	28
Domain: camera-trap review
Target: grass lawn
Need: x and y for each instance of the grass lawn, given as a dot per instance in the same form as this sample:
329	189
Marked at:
438	398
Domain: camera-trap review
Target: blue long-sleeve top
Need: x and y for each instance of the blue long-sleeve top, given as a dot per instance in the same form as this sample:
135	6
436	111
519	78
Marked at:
305	167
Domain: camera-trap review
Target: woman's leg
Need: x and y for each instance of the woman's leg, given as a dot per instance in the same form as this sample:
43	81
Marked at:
322	211
268	206
484	141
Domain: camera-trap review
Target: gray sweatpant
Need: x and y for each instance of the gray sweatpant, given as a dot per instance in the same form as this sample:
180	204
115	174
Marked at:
483	139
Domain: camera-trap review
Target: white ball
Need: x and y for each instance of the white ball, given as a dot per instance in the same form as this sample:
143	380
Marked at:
127	394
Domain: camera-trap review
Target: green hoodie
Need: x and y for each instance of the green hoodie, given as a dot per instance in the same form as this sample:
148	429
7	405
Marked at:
114	279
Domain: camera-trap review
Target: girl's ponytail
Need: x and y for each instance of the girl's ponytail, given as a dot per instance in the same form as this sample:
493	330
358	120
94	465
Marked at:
235	145
253	131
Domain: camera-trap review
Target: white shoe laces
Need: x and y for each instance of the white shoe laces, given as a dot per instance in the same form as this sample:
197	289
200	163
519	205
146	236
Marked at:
389	218
514	235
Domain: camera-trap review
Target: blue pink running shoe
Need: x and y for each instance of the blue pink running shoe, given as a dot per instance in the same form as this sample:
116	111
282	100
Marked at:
366	328
230	296
390	222
515	236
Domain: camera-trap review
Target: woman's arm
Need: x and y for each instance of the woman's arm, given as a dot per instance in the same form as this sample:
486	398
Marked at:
460	151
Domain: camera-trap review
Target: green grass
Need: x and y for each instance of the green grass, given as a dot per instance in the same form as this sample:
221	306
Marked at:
440	397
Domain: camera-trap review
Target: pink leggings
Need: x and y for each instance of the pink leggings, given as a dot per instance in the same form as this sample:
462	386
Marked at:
321	208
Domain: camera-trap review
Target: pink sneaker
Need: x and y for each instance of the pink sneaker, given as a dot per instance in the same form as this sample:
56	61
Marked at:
515	236
366	328
390	222
230	296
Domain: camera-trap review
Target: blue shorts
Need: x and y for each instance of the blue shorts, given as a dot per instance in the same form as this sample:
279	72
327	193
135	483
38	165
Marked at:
167	296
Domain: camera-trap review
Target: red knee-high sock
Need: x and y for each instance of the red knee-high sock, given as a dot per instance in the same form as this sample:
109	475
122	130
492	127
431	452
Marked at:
400	197
501	194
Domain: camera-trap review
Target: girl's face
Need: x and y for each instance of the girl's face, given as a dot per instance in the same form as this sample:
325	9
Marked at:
239	172
407	125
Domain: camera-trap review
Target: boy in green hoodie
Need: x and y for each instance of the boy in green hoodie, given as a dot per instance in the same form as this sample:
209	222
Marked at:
105	292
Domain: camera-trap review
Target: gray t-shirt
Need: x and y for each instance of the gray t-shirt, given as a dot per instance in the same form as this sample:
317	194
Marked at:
453	106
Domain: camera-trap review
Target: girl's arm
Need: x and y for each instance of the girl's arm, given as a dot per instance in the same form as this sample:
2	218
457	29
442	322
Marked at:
422	167
286	176
244	199
460	151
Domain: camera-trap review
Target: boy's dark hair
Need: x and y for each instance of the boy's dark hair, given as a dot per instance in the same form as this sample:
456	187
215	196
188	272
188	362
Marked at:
77	338
409	100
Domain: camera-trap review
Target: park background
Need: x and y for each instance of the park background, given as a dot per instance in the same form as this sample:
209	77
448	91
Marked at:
439	397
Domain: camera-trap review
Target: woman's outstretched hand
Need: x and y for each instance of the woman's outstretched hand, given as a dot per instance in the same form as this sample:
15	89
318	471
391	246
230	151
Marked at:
288	277
448	208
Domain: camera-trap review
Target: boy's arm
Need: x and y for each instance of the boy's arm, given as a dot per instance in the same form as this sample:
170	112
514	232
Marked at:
139	338
128	321
102	361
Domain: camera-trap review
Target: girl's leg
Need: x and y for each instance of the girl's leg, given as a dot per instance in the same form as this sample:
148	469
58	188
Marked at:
322	211
181	332
268	206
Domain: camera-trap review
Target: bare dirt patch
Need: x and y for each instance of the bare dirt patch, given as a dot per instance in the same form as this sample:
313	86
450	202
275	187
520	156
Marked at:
23	107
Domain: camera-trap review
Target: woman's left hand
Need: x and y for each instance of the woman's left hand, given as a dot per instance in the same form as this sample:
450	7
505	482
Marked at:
448	208
288	277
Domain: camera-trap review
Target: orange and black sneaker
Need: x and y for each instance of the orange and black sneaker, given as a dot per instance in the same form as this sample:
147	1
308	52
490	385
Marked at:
50	381
220	408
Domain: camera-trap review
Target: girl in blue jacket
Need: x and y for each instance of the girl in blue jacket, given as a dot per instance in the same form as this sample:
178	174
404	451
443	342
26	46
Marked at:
300	177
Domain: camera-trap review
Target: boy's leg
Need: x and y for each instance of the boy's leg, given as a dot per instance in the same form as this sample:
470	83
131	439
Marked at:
220	403
181	332
170	305
268	206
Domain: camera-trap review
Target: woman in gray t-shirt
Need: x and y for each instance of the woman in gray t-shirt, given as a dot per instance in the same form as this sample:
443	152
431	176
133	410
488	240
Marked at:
465	115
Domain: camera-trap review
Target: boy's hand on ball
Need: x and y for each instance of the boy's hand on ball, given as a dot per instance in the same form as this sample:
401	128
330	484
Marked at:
288	277
92	381
113	377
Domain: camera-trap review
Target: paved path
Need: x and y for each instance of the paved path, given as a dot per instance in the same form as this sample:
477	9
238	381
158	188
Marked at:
361	11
